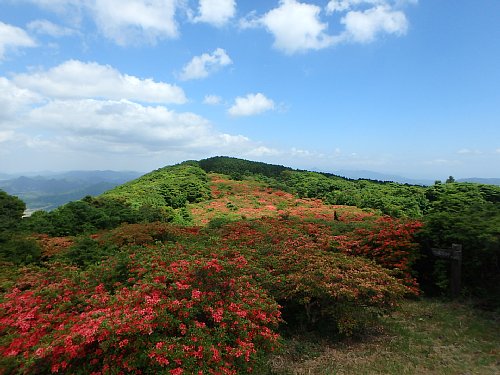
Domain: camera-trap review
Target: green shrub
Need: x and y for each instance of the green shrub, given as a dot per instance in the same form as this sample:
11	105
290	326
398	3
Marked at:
20	250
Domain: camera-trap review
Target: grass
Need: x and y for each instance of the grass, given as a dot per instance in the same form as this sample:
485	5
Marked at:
423	337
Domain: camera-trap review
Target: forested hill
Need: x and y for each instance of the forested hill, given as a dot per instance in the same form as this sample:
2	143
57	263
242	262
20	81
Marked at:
204	264
453	212
231	189
184	183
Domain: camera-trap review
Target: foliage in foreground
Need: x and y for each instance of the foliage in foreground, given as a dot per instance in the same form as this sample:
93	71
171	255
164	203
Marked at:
171	314
183	300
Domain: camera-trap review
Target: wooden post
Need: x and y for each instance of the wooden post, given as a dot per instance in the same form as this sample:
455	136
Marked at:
456	270
455	256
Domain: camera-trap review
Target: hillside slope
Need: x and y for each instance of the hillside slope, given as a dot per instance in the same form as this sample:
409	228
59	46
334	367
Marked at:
189	269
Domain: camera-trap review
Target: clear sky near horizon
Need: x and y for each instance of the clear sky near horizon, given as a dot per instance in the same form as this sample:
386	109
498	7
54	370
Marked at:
395	86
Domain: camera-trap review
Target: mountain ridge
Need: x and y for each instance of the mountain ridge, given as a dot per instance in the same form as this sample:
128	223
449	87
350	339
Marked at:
48	190
51	191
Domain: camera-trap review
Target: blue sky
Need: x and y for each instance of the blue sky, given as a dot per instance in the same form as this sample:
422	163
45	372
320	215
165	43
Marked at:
396	86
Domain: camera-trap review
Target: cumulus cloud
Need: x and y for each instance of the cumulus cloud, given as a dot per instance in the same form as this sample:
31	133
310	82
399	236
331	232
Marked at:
13	37
204	65
337	6
250	105
364	26
126	22
297	27
48	28
14	100
120	121
67	129
212	99
263	151
343	5
111	126
76	79
215	12
135	21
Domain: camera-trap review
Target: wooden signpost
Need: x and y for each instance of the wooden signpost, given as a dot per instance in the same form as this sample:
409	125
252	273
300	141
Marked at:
455	256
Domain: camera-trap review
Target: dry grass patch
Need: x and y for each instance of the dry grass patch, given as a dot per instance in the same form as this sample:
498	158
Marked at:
423	337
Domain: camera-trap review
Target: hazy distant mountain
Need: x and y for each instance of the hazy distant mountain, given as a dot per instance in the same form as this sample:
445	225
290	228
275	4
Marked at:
55	189
487	181
5	176
370	175
99	176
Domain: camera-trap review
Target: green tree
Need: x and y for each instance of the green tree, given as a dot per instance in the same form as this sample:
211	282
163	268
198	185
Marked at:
14	247
11	212
466	214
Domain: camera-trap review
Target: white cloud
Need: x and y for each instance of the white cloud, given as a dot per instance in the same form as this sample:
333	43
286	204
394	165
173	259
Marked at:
302	153
204	65
48	28
216	12
338	6
250	21
106	127
76	79
69	131
212	99
343	5
12	37
6	135
263	151
135	21
364	26
466	151
250	105
121	122
14	100
59	6
126	22
296	27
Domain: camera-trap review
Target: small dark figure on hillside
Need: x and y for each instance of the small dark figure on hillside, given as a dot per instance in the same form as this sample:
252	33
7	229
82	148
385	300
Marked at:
335	216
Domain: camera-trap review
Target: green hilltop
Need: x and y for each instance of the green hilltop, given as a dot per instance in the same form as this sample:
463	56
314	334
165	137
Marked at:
175	186
226	265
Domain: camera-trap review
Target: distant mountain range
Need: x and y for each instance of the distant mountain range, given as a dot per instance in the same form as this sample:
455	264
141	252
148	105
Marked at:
370	175
49	191
487	181
376	176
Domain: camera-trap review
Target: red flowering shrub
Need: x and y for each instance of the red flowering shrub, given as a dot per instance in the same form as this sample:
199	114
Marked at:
176	300
390	242
313	284
53	245
140	234
178	314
